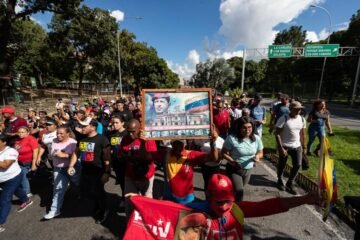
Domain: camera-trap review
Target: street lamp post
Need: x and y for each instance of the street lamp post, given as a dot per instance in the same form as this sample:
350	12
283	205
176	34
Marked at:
328	40
119	63
119	59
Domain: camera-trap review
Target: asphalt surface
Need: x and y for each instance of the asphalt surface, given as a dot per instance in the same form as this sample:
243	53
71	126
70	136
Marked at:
75	222
341	115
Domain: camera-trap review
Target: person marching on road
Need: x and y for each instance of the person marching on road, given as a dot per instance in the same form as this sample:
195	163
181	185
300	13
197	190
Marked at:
290	139
95	156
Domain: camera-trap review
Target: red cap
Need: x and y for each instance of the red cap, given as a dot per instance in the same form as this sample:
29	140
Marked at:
220	188
161	95
8	110
193	220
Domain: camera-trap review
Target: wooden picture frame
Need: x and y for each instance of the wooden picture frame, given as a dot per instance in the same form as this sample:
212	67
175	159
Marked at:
177	113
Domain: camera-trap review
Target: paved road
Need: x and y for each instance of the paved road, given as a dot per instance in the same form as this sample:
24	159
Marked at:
75	221
341	115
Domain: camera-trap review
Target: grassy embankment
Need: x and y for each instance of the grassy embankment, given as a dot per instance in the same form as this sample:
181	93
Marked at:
346	147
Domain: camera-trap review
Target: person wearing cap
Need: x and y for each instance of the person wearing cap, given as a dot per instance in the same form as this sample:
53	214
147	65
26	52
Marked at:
221	118
291	141
279	110
161	103
139	162
11	124
95	156
258	113
179	166
242	149
120	110
224	216
47	140
192	227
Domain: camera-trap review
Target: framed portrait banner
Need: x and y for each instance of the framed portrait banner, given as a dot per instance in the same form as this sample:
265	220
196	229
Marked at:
177	113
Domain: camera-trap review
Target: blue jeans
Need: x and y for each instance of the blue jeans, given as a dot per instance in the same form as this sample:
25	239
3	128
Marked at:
315	130
9	188
61	183
25	184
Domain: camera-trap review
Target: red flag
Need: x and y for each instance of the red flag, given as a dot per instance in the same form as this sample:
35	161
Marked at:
160	217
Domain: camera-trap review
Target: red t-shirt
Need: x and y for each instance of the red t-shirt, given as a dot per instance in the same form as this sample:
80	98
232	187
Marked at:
221	121
132	148
25	147
13	126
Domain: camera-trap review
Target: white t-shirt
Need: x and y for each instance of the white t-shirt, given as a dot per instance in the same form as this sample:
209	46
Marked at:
47	140
290	133
205	147
9	154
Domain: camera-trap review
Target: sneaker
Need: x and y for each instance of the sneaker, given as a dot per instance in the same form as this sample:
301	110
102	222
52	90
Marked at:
51	215
29	195
280	185
2	228
24	205
290	189
102	218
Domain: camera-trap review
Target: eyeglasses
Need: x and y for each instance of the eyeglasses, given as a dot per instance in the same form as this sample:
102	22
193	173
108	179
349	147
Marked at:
223	202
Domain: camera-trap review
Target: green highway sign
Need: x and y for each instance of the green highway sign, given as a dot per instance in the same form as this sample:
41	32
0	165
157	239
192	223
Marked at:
280	51
321	50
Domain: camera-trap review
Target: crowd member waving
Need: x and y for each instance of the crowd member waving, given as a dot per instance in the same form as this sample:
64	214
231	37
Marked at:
10	180
63	155
28	149
242	149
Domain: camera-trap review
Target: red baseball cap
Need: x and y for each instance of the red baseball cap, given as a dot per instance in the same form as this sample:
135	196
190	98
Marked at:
220	188
8	110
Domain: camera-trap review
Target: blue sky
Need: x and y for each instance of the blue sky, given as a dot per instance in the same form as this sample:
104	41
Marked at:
189	31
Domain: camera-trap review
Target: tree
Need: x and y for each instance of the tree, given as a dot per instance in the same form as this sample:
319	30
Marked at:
28	40
28	7
217	74
89	39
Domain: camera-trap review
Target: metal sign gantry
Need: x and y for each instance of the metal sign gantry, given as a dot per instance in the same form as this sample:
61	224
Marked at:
300	52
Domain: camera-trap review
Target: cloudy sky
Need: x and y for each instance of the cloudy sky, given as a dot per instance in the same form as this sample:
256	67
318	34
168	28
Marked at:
187	32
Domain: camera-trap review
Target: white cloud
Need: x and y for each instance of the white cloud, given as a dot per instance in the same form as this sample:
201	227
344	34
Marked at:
119	15
251	23
312	36
323	34
193	57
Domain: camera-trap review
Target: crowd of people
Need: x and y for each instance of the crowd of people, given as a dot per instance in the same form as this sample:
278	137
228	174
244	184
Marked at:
82	143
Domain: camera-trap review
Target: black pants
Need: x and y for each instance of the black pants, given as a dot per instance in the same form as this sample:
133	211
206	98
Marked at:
296	157
119	168
207	172
239	178
92	187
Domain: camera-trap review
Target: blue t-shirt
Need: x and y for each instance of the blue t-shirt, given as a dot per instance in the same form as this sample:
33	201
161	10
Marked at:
280	110
243	152
258	113
99	128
